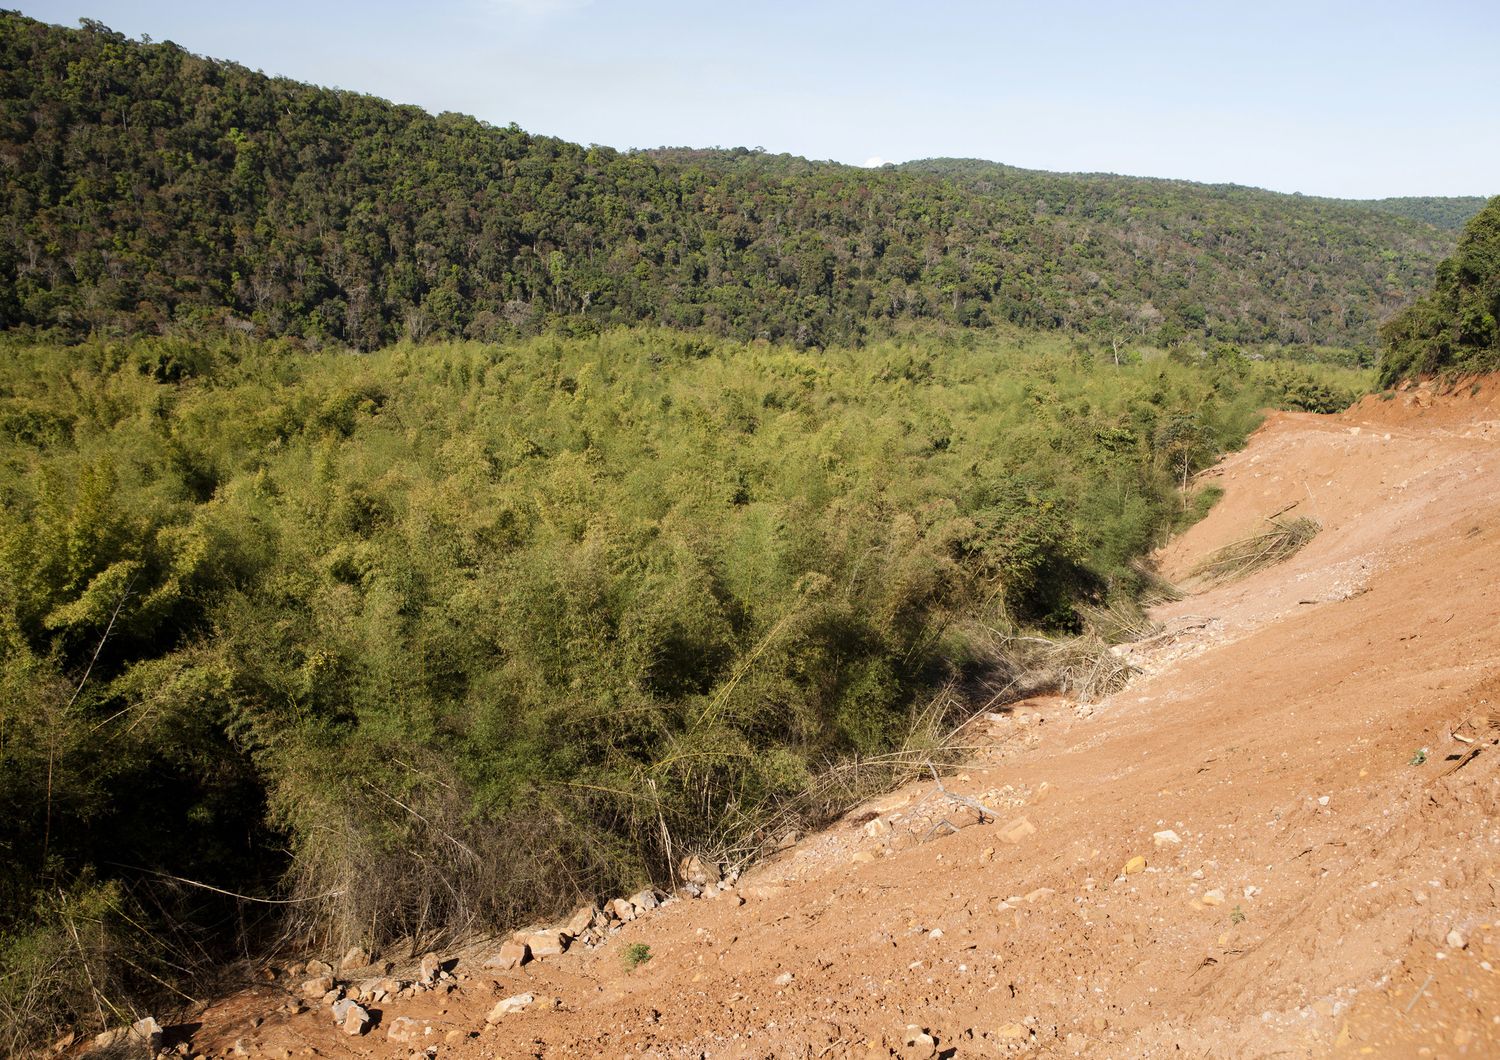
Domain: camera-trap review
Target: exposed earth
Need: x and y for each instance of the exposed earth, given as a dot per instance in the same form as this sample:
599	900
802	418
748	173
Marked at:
1320	738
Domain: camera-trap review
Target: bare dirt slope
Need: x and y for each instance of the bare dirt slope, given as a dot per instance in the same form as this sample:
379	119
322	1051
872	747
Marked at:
1333	893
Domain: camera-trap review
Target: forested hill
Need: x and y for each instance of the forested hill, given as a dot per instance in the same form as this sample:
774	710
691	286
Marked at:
1105	196
143	184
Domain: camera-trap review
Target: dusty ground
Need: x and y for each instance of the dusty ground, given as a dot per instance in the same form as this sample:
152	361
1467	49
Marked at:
1274	729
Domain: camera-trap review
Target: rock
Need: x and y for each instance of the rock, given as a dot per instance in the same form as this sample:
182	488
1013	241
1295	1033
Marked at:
877	828
918	1043
405	1029
511	1004
789	840
317	987
147	1032
512	954
1456	940
239	1048
1040	894
65	1043
111	1038
581	921
694	869
644	901
317	968
1017	830
863	857
621	909
1166	838
1213	897
355	1021
761	892
1134	865
986	855
546	944
1012	1032
341	1009
784	979
357	957
430	968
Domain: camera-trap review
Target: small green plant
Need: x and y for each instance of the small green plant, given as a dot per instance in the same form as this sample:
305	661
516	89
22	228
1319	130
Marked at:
1238	916
1419	757
636	954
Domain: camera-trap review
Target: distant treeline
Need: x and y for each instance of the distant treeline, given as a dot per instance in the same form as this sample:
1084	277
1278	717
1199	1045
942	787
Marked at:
144	186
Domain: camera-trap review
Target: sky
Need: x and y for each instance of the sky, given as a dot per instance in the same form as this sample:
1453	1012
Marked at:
1358	100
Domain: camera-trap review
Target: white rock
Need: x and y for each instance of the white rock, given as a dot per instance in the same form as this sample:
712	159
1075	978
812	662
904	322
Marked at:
504	1008
1165	838
1456	939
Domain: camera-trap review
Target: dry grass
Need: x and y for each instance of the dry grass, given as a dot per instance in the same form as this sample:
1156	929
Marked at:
1283	539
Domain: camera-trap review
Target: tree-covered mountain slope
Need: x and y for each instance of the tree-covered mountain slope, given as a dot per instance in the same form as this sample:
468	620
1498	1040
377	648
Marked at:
143	185
1455	328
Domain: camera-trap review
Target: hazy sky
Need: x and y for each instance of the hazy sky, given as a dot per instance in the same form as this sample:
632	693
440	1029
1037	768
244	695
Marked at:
1353	99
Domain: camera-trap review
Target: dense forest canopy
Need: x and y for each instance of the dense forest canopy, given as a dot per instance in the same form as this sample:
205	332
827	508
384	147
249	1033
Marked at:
144	185
1455	328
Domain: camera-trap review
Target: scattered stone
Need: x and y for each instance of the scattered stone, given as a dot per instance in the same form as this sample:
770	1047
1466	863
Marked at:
1134	865
694	869
1012	1032
644	901
877	828
582	920
784	979
1456	940
511	1004
316	968
357	957
405	1029
1040	894
1017	830
431	966
1166	838
621	909
1213	897
1322	800
918	1042
512	954
317	987
986	855
355	1021
546	944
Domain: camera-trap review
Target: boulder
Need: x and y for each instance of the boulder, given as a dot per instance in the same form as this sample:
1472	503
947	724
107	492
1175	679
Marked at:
621	909
356	1021
317	987
356	957
317	968
546	943
512	954
430	968
405	1029
694	869
581	921
511	1004
1017	830
644	901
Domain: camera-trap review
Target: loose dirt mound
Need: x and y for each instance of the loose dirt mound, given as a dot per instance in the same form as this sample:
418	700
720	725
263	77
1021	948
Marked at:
1320	738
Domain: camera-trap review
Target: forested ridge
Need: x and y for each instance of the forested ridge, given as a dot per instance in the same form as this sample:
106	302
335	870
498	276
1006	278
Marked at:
1455	328
145	186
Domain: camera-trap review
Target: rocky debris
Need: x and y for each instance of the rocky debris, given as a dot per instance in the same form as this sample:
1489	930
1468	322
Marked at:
784	979
356	957
514	1003
1213	897
430	969
405	1029
1017	830
1456	940
548	943
622	909
374	991
317	987
644	901
878	828
145	1033
581	921
695	870
317	968
916	1042
351	1016
1166	838
512	954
